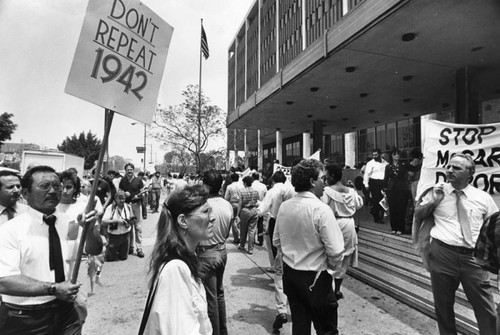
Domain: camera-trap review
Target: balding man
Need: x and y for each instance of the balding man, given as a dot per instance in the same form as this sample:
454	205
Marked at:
10	193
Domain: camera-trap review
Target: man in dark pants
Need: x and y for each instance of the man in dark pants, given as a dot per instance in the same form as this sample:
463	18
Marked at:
459	211
374	182
310	240
398	192
38	296
132	186
212	253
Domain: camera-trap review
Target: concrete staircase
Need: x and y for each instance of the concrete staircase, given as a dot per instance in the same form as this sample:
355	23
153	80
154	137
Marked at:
390	264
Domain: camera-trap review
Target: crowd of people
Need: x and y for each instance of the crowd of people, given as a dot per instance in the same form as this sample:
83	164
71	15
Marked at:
306	220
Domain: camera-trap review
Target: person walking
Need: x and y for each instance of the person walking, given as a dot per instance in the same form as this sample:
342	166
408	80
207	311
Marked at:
344	202
213	255
132	186
459	210
311	242
247	212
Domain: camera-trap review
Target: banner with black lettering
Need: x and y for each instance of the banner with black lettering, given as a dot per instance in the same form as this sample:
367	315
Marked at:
287	170
482	142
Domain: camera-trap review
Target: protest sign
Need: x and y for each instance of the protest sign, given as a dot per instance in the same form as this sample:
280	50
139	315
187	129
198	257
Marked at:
120	58
285	169
481	142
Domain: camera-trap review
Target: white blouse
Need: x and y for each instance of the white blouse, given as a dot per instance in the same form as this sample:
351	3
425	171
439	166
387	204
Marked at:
180	304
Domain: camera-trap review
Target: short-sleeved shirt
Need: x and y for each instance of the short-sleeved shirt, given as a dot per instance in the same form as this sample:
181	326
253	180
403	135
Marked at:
249	197
133	186
24	250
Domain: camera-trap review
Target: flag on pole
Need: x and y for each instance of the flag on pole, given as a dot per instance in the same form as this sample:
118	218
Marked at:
204	43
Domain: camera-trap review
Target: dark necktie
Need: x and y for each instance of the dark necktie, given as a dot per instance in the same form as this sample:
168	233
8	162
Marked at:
10	212
55	253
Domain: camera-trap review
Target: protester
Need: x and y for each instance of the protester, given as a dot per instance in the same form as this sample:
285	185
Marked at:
374	182
212	253
233	196
311	242
133	186
247	212
10	194
118	219
398	192
270	205
344	202
459	210
414	169
103	191
179	305
156	186
38	296
261	189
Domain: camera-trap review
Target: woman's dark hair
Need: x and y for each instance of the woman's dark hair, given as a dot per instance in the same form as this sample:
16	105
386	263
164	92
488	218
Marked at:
303	172
75	180
334	173
169	241
213	179
248	181
235	177
279	177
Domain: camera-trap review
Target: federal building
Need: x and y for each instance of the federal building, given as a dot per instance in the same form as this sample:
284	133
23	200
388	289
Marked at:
348	76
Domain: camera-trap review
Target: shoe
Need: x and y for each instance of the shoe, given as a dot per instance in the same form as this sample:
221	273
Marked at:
339	295
241	248
140	254
393	232
130	251
279	321
144	217
399	233
236	241
250	252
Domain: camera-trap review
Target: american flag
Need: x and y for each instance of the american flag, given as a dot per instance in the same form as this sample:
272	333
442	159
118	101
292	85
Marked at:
204	43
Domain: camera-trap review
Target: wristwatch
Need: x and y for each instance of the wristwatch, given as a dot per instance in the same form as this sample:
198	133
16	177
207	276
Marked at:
52	289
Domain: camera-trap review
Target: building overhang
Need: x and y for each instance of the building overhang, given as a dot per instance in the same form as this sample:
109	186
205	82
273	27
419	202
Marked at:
384	61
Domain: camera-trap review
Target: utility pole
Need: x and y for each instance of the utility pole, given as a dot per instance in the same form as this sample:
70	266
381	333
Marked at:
144	160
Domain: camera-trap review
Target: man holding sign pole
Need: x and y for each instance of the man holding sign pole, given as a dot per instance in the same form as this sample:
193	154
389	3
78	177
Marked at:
459	210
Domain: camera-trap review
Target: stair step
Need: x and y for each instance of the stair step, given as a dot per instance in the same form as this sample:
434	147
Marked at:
411	294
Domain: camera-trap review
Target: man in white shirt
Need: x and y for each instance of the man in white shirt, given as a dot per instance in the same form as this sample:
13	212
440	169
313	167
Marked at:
311	242
374	182
270	206
261	189
10	193
233	196
34	267
459	210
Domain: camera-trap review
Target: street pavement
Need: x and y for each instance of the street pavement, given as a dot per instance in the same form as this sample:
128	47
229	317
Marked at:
116	306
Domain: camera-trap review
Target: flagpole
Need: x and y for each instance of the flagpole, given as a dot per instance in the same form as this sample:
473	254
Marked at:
199	101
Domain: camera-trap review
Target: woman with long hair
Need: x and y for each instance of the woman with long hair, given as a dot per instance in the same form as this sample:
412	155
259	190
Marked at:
344	201
177	303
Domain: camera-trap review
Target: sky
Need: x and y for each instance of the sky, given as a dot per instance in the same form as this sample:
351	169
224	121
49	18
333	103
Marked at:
38	41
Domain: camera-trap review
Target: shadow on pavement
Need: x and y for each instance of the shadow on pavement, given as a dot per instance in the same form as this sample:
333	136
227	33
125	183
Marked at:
257	315
252	277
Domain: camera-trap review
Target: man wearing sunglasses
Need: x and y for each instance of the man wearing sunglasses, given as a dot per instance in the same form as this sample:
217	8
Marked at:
36	250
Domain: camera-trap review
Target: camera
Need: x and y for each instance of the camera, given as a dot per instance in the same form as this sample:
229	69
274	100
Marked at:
113	226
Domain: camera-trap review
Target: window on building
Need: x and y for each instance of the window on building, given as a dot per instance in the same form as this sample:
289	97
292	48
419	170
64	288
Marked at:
337	149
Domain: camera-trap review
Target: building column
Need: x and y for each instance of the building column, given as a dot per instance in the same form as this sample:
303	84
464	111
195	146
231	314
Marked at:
318	137
245	144
260	150
350	148
467	105
306	145
279	146
235	146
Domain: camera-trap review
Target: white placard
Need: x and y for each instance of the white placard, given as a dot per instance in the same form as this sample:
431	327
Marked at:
120	58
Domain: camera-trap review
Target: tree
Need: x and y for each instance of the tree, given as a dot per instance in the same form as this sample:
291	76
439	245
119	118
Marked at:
83	145
7	127
116	163
179	126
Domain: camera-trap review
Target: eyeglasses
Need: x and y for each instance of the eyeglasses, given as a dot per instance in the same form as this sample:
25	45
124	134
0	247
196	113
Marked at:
45	186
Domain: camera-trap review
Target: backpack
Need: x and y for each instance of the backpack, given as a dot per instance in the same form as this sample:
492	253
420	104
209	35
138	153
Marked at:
488	243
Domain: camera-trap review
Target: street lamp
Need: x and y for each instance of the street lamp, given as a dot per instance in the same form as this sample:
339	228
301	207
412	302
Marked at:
144	159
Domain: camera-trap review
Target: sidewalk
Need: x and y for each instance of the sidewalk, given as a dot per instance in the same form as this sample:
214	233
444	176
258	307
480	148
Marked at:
251	307
116	307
